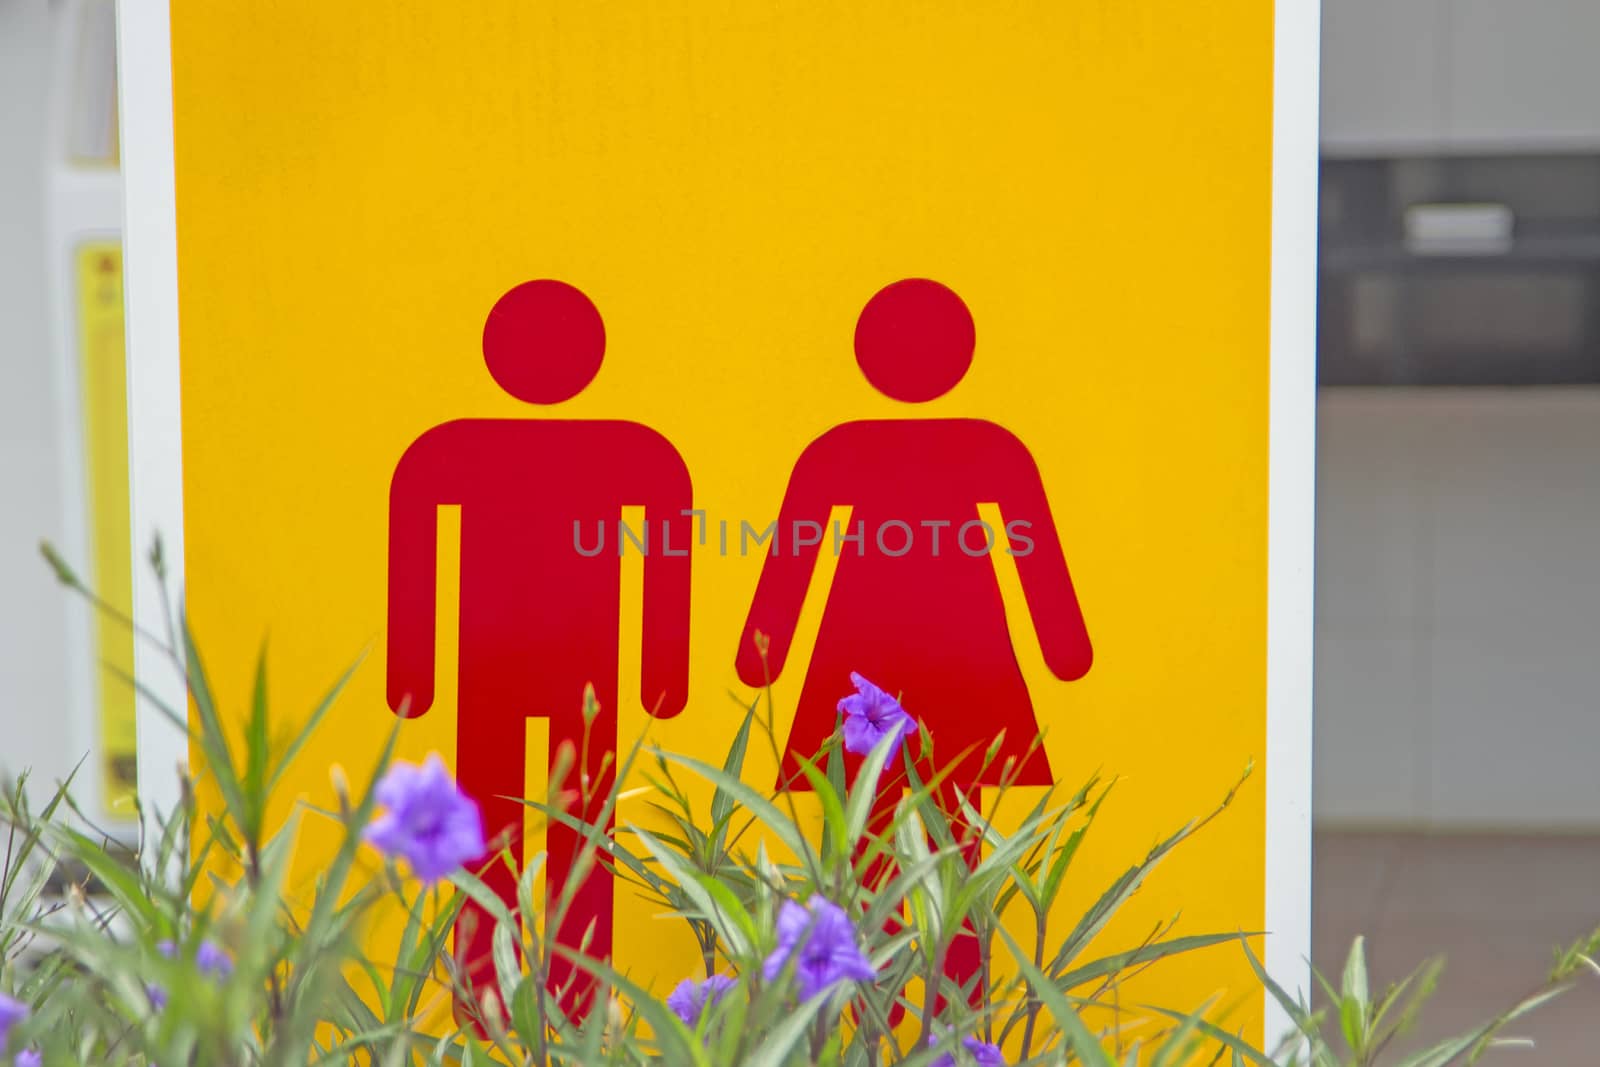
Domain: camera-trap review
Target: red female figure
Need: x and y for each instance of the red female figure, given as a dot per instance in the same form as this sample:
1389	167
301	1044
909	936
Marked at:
915	605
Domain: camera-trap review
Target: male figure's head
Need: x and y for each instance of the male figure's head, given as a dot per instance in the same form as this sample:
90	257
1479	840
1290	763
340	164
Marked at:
543	341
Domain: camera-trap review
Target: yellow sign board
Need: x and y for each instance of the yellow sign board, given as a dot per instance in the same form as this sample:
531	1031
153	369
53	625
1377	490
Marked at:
534	345
102	364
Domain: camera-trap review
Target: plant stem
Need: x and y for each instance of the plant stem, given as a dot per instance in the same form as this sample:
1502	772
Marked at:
1034	1004
707	937
930	992
985	962
769	727
819	1037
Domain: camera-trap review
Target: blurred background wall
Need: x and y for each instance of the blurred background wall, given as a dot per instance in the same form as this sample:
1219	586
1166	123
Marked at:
33	616
1458	495
1458	608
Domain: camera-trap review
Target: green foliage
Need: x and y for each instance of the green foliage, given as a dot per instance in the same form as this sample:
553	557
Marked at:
91	964
1364	1027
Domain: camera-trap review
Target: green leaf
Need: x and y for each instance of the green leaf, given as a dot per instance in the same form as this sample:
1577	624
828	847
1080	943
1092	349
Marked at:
1121	961
332	888
1021	884
1305	1022
923	871
1180	1045
722	801
764	810
396	991
732	922
1113	898
212	735
1445	1051
1351	1025
1355	973
996	866
1353	999
1233	1042
1420	985
523	1007
1074	1033
678	1044
123	883
836	840
292	750
1063	859
782	1038
503	951
864	792
255	755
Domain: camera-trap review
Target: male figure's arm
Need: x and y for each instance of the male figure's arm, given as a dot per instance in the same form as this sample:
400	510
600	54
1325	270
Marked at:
664	658
414	498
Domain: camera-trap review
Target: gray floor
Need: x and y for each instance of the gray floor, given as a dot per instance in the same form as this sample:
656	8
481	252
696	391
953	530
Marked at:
1495	907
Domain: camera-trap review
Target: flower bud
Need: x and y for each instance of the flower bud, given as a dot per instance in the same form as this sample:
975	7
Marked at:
994	748
341	787
561	766
493	1014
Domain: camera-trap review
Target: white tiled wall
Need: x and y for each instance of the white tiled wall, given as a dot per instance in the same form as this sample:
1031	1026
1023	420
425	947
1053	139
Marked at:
1425	76
1458	607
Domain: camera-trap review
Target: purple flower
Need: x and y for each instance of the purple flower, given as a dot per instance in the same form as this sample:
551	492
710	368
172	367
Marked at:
28	1058
210	957
690	999
427	820
12	1012
822	941
983	1054
869	714
212	960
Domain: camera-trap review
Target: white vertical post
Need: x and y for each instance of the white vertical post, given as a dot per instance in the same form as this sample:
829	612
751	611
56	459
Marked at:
150	260
1291	519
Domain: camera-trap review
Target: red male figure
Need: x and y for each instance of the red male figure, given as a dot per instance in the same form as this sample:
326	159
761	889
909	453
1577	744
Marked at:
539	615
915	605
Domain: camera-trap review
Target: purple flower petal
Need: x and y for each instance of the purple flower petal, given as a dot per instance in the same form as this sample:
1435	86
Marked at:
870	714
428	822
821	942
212	960
983	1054
690	999
28	1058
12	1012
793	919
859	736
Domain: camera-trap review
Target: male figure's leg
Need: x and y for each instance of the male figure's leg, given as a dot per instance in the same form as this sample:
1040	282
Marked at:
586	925
489	767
